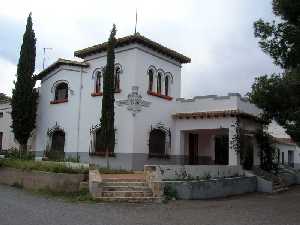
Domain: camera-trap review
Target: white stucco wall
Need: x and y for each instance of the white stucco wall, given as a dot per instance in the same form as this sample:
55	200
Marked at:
65	114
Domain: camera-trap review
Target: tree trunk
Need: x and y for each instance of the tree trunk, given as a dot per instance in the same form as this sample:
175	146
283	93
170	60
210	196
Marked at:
23	147
22	150
107	158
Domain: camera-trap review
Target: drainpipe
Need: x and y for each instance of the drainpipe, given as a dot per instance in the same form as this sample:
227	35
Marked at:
79	114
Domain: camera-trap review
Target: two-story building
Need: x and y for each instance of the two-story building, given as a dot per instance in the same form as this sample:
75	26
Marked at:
154	125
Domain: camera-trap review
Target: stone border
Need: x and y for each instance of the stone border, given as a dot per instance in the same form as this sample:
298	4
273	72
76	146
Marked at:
40	180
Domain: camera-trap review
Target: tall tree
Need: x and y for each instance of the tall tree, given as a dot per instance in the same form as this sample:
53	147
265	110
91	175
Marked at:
279	94
107	121
24	96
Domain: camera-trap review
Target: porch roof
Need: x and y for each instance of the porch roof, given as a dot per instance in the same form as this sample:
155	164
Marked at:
214	114
286	141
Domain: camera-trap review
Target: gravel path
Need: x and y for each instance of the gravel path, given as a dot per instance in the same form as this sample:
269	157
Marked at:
19	207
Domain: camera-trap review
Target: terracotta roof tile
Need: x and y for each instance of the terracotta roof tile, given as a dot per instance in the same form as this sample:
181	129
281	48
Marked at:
136	38
213	114
287	141
58	63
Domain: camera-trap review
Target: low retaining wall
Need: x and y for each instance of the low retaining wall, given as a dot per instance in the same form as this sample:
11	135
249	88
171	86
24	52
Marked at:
212	188
197	172
39	180
199	182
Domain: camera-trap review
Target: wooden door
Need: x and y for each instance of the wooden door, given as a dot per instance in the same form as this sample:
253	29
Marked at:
291	158
58	141
221	150
1	137
193	149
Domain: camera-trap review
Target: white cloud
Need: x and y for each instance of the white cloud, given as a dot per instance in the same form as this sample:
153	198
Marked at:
217	35
7	76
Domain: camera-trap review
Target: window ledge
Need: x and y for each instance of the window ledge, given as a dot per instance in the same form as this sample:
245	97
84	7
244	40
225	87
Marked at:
159	95
117	91
96	94
59	101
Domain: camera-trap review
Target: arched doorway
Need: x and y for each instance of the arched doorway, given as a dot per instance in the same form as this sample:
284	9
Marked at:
157	143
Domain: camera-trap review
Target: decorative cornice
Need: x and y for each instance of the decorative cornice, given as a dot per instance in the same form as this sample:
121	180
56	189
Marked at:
214	97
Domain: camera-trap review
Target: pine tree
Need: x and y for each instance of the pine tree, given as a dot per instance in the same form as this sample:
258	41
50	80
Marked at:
278	94
107	115
24	96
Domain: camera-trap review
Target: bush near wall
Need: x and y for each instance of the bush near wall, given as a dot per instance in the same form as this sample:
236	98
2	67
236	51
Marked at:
54	167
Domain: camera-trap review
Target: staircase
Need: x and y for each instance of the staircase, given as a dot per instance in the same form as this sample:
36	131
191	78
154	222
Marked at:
125	188
278	184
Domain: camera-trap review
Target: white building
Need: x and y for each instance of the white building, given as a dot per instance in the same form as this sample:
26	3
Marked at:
153	124
289	150
6	136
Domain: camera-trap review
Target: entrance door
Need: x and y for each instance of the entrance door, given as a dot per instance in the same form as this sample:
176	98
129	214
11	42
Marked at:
1	137
193	149
291	158
221	150
58	141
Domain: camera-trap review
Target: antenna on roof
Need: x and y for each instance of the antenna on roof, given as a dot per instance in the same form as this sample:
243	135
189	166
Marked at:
44	56
135	21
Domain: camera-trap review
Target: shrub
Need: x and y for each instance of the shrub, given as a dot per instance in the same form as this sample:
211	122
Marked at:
53	167
57	156
14	153
170	192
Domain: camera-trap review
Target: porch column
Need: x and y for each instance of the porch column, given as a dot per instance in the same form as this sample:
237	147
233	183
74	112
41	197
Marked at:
234	158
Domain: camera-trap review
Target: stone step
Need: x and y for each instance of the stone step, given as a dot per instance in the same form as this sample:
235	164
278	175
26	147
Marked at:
124	183
126	188
281	189
129	199
123	180
127	194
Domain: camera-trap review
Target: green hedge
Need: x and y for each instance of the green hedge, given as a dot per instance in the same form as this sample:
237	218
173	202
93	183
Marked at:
53	167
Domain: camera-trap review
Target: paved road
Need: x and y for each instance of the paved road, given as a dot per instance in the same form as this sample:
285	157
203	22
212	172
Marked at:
19	207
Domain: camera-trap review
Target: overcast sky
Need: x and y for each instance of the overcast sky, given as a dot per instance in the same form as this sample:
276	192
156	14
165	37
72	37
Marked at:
216	34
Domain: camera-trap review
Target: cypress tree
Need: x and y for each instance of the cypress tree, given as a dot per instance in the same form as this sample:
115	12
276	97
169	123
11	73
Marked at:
108	114
24	96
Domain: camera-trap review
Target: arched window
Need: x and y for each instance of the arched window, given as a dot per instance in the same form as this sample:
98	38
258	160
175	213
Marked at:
61	91
159	77
151	75
167	86
98	82
117	80
157	143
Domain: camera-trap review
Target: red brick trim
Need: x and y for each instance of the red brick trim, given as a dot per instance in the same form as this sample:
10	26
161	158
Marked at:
94	94
59	101
160	95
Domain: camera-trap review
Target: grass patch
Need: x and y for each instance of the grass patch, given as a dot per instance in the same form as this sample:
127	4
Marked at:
81	196
53	167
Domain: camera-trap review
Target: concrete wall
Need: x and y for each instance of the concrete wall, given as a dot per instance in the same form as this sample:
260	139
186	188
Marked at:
38	180
183	172
218	188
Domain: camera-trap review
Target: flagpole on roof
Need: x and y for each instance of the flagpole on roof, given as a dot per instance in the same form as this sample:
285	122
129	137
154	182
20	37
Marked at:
135	21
